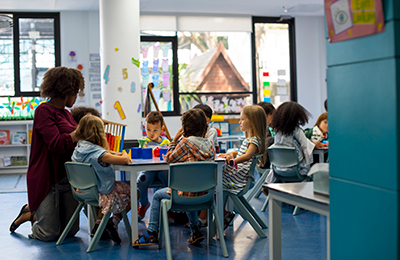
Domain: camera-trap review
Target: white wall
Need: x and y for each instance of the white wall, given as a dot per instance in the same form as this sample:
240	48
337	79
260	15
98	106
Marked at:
80	32
311	65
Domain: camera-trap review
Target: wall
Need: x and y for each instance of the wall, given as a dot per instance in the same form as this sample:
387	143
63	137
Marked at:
311	65
80	32
364	136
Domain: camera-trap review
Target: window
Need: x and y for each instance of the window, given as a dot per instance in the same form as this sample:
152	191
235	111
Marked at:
274	63
29	45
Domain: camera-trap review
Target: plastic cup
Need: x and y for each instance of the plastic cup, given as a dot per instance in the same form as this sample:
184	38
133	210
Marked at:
136	153
147	153
141	142
163	151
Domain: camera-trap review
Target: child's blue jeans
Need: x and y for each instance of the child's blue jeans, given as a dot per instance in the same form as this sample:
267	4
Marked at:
155	211
144	181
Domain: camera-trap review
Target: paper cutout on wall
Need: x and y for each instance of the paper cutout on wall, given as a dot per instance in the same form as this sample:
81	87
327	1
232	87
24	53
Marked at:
133	87
266	84
145	81
165	46
155	79
267	92
119	89
125	73
145	68
80	68
144	49
156	48
282	90
106	74
72	56
265	74
136	62
281	83
165	65
139	109
156	94
121	112
281	72
341	16
116	49
166	95
166	77
155	65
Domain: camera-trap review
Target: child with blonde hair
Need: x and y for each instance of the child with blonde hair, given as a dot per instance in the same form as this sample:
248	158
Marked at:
114	196
253	121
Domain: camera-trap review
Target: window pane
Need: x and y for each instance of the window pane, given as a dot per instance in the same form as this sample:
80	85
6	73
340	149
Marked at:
156	67
6	56
273	62
211	62
37	50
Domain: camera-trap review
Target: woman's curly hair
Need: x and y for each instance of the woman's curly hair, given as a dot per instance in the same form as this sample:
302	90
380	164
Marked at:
194	123
288	116
60	82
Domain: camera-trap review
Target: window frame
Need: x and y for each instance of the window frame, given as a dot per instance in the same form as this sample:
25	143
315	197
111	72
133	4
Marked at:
16	56
292	52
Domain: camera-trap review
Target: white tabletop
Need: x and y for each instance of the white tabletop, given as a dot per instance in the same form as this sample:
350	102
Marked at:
303	190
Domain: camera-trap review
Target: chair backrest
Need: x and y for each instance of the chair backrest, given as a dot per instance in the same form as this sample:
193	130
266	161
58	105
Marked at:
285	157
250	181
83	177
192	177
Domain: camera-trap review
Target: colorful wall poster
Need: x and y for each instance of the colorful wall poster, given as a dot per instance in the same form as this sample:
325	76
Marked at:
348	19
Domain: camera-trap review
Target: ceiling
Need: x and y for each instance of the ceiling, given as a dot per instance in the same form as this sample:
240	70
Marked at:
231	7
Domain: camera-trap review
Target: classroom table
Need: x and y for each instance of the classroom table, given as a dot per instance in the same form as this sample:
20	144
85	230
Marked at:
298	194
228	139
156	164
321	153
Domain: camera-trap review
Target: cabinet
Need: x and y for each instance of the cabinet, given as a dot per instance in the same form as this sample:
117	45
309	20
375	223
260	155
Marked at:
9	150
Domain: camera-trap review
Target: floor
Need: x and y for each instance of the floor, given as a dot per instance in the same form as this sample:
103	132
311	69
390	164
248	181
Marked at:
303	236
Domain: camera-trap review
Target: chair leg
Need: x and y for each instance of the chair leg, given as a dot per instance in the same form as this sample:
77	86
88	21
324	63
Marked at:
296	211
127	225
99	232
70	223
253	212
220	233
246	215
258	186
258	194
166	230
265	204
161	227
211	227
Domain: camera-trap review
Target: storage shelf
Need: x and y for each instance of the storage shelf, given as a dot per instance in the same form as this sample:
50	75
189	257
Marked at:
15	167
14	145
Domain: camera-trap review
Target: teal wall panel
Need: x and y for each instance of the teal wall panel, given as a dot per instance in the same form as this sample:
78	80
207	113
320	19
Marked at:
363	122
364	222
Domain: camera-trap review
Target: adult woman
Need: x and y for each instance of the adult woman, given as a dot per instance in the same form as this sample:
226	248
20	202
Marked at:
51	203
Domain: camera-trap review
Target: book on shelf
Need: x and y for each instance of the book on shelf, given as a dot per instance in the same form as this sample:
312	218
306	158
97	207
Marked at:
19	138
30	135
6	161
18	161
4	137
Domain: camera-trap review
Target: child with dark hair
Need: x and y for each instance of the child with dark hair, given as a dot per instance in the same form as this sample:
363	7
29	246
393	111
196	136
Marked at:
154	124
286	122
269	140
188	145
211	131
80	111
320	130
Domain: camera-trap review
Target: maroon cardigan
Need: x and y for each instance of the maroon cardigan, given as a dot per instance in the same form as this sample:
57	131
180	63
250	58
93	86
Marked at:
51	147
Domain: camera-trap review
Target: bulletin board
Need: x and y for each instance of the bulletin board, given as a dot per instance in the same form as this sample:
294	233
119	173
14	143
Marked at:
348	19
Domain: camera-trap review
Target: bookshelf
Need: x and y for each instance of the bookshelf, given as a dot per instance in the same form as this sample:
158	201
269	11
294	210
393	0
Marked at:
8	150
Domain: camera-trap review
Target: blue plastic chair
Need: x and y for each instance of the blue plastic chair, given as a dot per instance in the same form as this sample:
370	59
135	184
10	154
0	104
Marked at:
190	177
256	191
285	157
83	177
243	207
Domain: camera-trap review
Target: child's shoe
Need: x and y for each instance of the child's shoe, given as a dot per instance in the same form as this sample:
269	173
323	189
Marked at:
103	236
148	239
112	232
171	218
196	235
142	211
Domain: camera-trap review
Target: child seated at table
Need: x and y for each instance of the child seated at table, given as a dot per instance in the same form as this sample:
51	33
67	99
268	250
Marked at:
269	139
154	125
320	131
286	122
211	131
193	146
114	196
